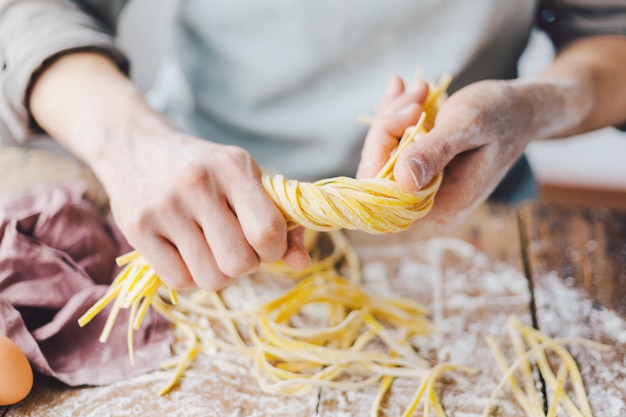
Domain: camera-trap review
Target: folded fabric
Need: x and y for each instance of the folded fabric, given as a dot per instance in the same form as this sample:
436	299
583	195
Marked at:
57	257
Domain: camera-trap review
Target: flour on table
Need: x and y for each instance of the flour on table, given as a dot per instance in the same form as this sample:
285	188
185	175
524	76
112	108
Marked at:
565	311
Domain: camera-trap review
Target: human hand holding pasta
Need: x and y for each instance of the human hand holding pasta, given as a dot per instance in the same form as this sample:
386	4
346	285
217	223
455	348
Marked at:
399	108
197	210
483	128
478	134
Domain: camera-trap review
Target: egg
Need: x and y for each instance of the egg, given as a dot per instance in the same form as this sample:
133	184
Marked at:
16	374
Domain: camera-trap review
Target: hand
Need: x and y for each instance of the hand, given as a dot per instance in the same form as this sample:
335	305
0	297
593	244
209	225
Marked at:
398	109
479	133
197	210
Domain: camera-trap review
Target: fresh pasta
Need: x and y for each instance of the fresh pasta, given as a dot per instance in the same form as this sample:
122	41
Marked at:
355	339
376	205
360	340
529	344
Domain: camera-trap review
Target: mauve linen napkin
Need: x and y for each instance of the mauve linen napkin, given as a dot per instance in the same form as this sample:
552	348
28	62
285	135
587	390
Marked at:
57	257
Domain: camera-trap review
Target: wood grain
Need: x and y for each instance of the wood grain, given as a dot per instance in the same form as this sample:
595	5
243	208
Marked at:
577	262
472	278
585	245
469	290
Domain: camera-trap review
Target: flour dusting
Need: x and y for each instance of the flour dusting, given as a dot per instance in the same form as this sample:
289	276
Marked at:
469	296
565	311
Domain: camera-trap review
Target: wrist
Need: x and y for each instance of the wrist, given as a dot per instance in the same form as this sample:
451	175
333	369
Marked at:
557	107
128	134
101	116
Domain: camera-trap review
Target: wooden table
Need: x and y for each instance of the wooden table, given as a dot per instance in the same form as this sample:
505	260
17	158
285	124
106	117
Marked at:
563	269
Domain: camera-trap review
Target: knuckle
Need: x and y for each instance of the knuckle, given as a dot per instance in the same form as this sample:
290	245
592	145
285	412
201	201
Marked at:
214	283
447	150
234	155
140	223
270	233
238	154
179	281
239	266
194	177
169	269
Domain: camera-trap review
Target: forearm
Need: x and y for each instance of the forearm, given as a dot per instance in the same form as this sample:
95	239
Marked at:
582	90
84	102
33	33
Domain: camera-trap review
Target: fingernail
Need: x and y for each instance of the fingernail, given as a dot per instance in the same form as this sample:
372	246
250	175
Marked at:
392	86
299	241
414	87
408	109
389	87
420	172
365	169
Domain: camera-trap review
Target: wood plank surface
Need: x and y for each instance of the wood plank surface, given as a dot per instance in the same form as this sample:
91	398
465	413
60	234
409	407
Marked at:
472	276
470	292
577	262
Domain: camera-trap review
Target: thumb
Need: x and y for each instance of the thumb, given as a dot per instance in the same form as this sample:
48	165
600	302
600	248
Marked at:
425	158
297	257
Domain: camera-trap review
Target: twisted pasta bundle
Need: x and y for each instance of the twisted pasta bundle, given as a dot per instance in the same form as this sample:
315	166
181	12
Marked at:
362	336
376	205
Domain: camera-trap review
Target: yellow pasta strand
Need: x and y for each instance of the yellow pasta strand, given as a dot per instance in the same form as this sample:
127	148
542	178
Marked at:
376	205
529	344
384	386
361	337
427	388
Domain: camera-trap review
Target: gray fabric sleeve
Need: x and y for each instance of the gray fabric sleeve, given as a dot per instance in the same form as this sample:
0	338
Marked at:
35	32
567	20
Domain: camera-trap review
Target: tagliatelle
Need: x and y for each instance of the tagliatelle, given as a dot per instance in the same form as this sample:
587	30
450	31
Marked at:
376	205
353	340
530	344
361	340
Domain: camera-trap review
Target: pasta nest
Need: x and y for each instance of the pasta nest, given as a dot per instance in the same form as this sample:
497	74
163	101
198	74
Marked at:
376	205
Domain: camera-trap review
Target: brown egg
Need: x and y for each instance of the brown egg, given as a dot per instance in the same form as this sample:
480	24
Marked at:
16	375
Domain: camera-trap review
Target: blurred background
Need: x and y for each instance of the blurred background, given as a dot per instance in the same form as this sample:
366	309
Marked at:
589	169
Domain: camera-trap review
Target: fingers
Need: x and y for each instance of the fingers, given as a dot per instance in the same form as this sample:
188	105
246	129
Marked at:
423	159
175	246
262	224
395	87
166	261
241	227
225	243
296	257
453	134
399	108
382	139
464	186
196	254
206	222
476	138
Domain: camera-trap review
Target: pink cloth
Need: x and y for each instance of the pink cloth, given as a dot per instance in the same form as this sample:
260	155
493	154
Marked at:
56	259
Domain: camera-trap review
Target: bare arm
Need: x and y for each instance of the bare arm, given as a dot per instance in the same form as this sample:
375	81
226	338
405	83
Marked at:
483	128
196	209
595	69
